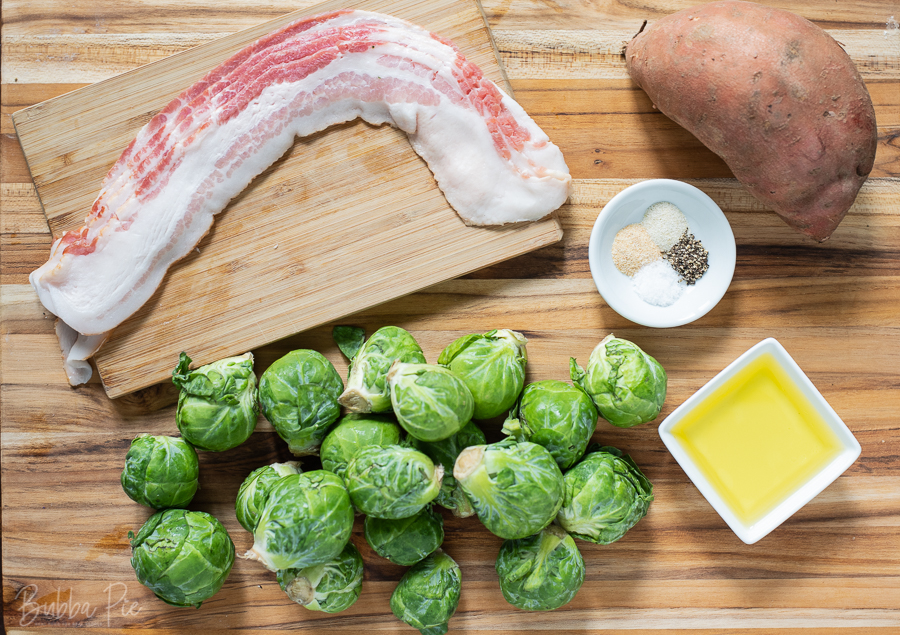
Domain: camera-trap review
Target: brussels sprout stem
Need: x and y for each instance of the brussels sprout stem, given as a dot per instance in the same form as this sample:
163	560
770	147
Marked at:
302	590
255	556
355	401
468	461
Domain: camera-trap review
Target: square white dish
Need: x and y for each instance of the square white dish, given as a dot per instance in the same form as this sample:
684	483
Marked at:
848	448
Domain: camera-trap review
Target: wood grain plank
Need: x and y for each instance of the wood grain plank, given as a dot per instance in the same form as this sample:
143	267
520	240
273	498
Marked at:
566	53
862	245
117	16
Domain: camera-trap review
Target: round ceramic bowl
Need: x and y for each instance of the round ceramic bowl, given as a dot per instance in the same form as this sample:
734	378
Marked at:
705	220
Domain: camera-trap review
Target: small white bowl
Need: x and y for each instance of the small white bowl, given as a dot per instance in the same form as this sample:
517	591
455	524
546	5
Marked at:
846	452
705	220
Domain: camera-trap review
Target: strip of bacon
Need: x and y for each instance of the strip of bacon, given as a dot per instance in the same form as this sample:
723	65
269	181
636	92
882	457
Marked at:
492	162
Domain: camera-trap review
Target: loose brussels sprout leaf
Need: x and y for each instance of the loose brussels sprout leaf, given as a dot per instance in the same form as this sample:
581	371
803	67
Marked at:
254	491
367	388
349	339
428	594
453	498
161	472
430	402
445	453
330	587
515	488
299	395
183	557
217	407
556	415
306	520
605	495
542	572
627	385
492	366
405	541
392	481
353	433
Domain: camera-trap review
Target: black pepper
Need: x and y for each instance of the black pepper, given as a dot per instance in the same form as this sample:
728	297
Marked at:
688	258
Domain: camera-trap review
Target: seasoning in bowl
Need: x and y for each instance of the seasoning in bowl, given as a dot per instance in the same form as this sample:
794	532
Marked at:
689	258
657	284
665	223
659	253
633	248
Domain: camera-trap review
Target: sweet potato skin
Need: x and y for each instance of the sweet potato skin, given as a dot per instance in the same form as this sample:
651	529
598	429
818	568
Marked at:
773	95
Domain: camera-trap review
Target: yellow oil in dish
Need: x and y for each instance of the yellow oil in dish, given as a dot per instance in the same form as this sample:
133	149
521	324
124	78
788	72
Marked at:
757	439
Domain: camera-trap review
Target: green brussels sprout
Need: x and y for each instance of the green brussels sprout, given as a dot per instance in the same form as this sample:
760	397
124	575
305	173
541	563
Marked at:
367	387
557	415
217	407
161	472
542	572
428	594
353	433
605	495
430	402
254	491
445	453
330	587
627	385
405	541
183	557
515	488
492	366
306	520
298	394
392	481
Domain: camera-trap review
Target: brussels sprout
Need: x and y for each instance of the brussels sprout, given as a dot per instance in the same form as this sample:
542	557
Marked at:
542	572
627	385
392	481
492	366
217	406
330	587
183	557
353	433
430	402
556	415
161	472
405	540
254	491
298	394
306	520
445	453
367	388
515	488
605	495
428	594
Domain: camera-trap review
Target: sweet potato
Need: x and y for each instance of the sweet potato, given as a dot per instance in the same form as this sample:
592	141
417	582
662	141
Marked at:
773	95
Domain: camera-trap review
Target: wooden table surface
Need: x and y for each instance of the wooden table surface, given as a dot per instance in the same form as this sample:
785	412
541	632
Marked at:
834	567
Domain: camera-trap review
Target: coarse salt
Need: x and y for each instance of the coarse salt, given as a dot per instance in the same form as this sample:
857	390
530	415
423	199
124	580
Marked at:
657	284
665	223
633	248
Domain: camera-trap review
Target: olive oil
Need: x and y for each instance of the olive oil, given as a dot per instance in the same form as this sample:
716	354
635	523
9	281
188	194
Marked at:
757	439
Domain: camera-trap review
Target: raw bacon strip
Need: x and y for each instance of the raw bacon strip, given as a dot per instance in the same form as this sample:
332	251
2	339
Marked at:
492	162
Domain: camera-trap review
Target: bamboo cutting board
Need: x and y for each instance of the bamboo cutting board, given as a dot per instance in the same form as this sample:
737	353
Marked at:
347	219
